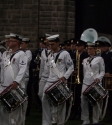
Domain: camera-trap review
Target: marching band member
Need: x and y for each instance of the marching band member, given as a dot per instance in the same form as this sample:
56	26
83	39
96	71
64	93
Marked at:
24	47
44	68
5	56
99	46
62	46
67	45
80	46
65	67
107	55
14	73
94	70
36	66
73	44
28	80
0	66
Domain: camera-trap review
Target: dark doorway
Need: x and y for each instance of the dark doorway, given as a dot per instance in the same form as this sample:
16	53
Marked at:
95	14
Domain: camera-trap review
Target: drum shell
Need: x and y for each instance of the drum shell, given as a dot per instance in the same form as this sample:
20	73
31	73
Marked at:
11	99
95	93
58	93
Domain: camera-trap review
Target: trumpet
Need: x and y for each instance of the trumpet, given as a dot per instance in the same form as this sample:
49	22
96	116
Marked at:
77	80
37	61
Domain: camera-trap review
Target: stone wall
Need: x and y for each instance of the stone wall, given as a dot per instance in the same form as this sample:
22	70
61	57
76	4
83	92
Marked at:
57	16
21	17
34	18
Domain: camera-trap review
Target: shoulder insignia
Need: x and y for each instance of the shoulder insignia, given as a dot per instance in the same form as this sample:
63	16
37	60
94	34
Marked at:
22	62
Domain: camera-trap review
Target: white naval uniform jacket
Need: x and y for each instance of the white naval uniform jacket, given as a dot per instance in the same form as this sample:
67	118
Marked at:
92	70
64	64
0	65
17	66
5	57
44	65
29	58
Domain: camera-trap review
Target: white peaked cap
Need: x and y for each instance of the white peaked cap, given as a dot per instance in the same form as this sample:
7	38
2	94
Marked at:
53	37
90	44
26	40
7	36
47	35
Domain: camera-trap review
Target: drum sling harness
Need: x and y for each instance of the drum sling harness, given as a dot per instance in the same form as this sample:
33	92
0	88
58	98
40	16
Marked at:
55	69
9	63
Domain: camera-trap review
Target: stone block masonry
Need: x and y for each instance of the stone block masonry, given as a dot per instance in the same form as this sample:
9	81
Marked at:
34	18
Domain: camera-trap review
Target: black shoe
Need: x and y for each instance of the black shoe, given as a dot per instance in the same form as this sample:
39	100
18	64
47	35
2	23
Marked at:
72	117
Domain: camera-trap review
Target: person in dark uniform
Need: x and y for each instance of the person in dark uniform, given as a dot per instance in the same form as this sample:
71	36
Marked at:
103	51
35	65
68	48
80	46
67	45
107	56
73	44
62	46
100	46
110	93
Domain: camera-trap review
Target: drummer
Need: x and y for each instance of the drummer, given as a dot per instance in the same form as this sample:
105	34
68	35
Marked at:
94	70
62	61
15	69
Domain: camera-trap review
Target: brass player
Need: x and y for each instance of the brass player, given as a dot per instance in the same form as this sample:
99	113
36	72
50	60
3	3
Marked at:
78	58
35	64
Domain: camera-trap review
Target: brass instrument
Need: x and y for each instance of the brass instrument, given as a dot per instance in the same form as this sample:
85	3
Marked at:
89	35
37	61
77	80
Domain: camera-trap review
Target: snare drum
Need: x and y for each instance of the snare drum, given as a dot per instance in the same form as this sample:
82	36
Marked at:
58	93
107	82
12	98
95	93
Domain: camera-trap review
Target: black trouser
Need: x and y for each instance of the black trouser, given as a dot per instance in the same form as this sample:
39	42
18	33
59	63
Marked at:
36	88
77	99
76	108
110	104
29	93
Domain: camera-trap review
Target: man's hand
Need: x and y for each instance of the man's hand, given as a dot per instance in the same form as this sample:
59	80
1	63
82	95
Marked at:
14	85
63	80
97	80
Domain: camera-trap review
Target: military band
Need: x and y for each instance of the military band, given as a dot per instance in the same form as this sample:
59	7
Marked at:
77	63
